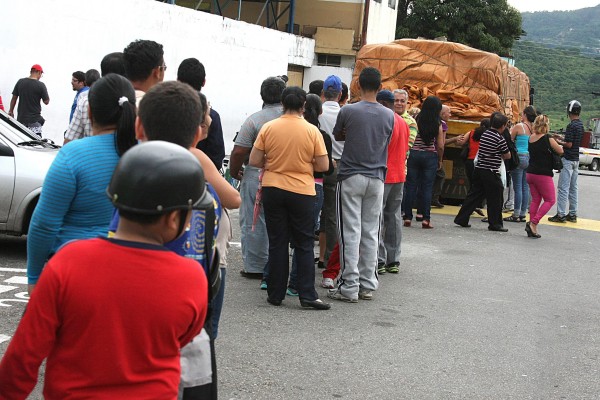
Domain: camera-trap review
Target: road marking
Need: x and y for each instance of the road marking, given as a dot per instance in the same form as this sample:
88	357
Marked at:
13	270
4	338
19	280
236	244
4	288
582	223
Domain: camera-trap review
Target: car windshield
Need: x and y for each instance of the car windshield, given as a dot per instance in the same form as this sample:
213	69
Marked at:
13	131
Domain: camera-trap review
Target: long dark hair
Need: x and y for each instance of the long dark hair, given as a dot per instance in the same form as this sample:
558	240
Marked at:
483	126
112	102
312	109
428	120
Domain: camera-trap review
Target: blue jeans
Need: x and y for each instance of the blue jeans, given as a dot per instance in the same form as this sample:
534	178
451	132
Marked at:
217	306
318	206
520	186
567	188
422	166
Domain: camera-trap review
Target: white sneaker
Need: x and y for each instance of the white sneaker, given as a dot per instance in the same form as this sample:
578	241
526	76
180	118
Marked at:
365	294
327	283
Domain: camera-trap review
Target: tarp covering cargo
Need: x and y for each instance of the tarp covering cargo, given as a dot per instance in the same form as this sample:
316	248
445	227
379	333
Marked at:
472	82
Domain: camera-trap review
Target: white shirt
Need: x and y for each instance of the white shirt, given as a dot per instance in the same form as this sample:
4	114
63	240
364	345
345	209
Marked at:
327	120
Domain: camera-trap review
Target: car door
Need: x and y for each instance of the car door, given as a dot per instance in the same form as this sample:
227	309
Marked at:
7	178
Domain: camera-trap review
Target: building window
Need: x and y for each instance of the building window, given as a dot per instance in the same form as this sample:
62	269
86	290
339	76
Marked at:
392	4
329	60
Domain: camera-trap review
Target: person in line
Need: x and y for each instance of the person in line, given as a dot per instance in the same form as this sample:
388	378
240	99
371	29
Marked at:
330	96
72	204
192	72
173	112
316	87
144	65
290	150
539	173
486	181
30	91
440	174
254	238
390	238
80	86
344	97
107	314
567	180
520	135
80	125
471	141
312	110
366	127
425	159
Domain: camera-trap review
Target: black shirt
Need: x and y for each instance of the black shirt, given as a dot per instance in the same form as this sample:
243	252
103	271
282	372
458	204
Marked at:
30	92
573	134
214	146
540	157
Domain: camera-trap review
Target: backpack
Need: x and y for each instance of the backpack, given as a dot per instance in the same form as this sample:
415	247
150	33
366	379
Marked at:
513	161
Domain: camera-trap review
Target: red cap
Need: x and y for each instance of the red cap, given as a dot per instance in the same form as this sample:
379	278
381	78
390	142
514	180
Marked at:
37	67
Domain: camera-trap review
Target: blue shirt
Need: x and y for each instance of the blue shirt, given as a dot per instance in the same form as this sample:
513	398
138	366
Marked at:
74	106
73	203
192	243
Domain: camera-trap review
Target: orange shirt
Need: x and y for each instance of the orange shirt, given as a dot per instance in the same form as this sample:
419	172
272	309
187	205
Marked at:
397	149
290	144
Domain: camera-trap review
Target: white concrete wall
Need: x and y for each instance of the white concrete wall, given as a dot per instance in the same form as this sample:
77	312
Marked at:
69	35
321	72
382	22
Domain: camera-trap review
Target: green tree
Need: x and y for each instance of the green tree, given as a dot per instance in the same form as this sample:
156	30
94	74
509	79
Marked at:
490	25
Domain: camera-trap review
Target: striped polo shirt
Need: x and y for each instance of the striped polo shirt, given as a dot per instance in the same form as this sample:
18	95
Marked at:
491	147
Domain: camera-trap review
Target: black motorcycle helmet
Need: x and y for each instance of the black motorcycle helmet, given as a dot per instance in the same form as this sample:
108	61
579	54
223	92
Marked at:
157	177
574	107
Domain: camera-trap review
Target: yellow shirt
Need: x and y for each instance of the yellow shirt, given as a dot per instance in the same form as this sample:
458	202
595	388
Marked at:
290	144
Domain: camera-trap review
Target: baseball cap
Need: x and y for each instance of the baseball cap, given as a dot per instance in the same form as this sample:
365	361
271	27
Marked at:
37	67
385	95
333	82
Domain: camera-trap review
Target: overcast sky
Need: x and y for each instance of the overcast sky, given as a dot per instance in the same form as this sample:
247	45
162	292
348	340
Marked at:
551	5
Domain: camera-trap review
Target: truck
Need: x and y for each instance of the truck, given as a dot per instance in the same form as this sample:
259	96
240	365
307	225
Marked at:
473	83
589	152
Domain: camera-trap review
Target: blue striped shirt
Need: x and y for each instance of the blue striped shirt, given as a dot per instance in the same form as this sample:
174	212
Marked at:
73	203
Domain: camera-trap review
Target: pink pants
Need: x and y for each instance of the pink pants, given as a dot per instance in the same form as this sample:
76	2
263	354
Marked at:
541	187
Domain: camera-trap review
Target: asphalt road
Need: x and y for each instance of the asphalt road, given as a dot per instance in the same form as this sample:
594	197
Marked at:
471	315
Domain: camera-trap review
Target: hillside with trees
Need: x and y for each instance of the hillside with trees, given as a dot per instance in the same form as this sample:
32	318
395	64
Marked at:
560	53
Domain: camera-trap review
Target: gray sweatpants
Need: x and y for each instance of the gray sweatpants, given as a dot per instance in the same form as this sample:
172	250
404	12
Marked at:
359	203
255	244
391	224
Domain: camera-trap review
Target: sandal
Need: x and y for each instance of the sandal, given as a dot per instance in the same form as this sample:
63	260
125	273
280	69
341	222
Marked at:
407	222
419	217
522	218
479	212
512	218
426	224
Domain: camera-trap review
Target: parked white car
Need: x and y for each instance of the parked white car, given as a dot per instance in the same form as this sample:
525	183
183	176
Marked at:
589	158
24	161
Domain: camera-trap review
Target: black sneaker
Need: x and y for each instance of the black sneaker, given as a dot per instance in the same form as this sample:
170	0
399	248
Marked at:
558	218
571	218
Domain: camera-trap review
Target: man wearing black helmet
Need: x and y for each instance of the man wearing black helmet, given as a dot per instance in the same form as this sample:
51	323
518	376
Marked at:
567	181
107	311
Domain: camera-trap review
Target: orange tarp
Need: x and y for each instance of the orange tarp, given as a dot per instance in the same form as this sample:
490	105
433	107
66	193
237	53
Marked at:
472	82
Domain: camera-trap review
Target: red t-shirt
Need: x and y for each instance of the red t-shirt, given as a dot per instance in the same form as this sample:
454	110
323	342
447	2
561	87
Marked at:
397	149
111	317
473	146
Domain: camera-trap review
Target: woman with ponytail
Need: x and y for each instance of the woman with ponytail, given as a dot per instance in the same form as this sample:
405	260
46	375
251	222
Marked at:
290	150
73	204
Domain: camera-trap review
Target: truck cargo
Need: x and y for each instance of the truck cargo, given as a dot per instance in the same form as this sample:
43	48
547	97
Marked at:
473	83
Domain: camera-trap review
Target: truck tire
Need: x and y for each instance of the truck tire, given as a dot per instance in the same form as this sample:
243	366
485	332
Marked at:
594	165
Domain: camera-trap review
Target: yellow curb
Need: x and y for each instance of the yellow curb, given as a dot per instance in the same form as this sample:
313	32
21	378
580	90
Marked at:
582	223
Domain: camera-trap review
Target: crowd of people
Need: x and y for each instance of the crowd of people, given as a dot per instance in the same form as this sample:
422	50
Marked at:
137	185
